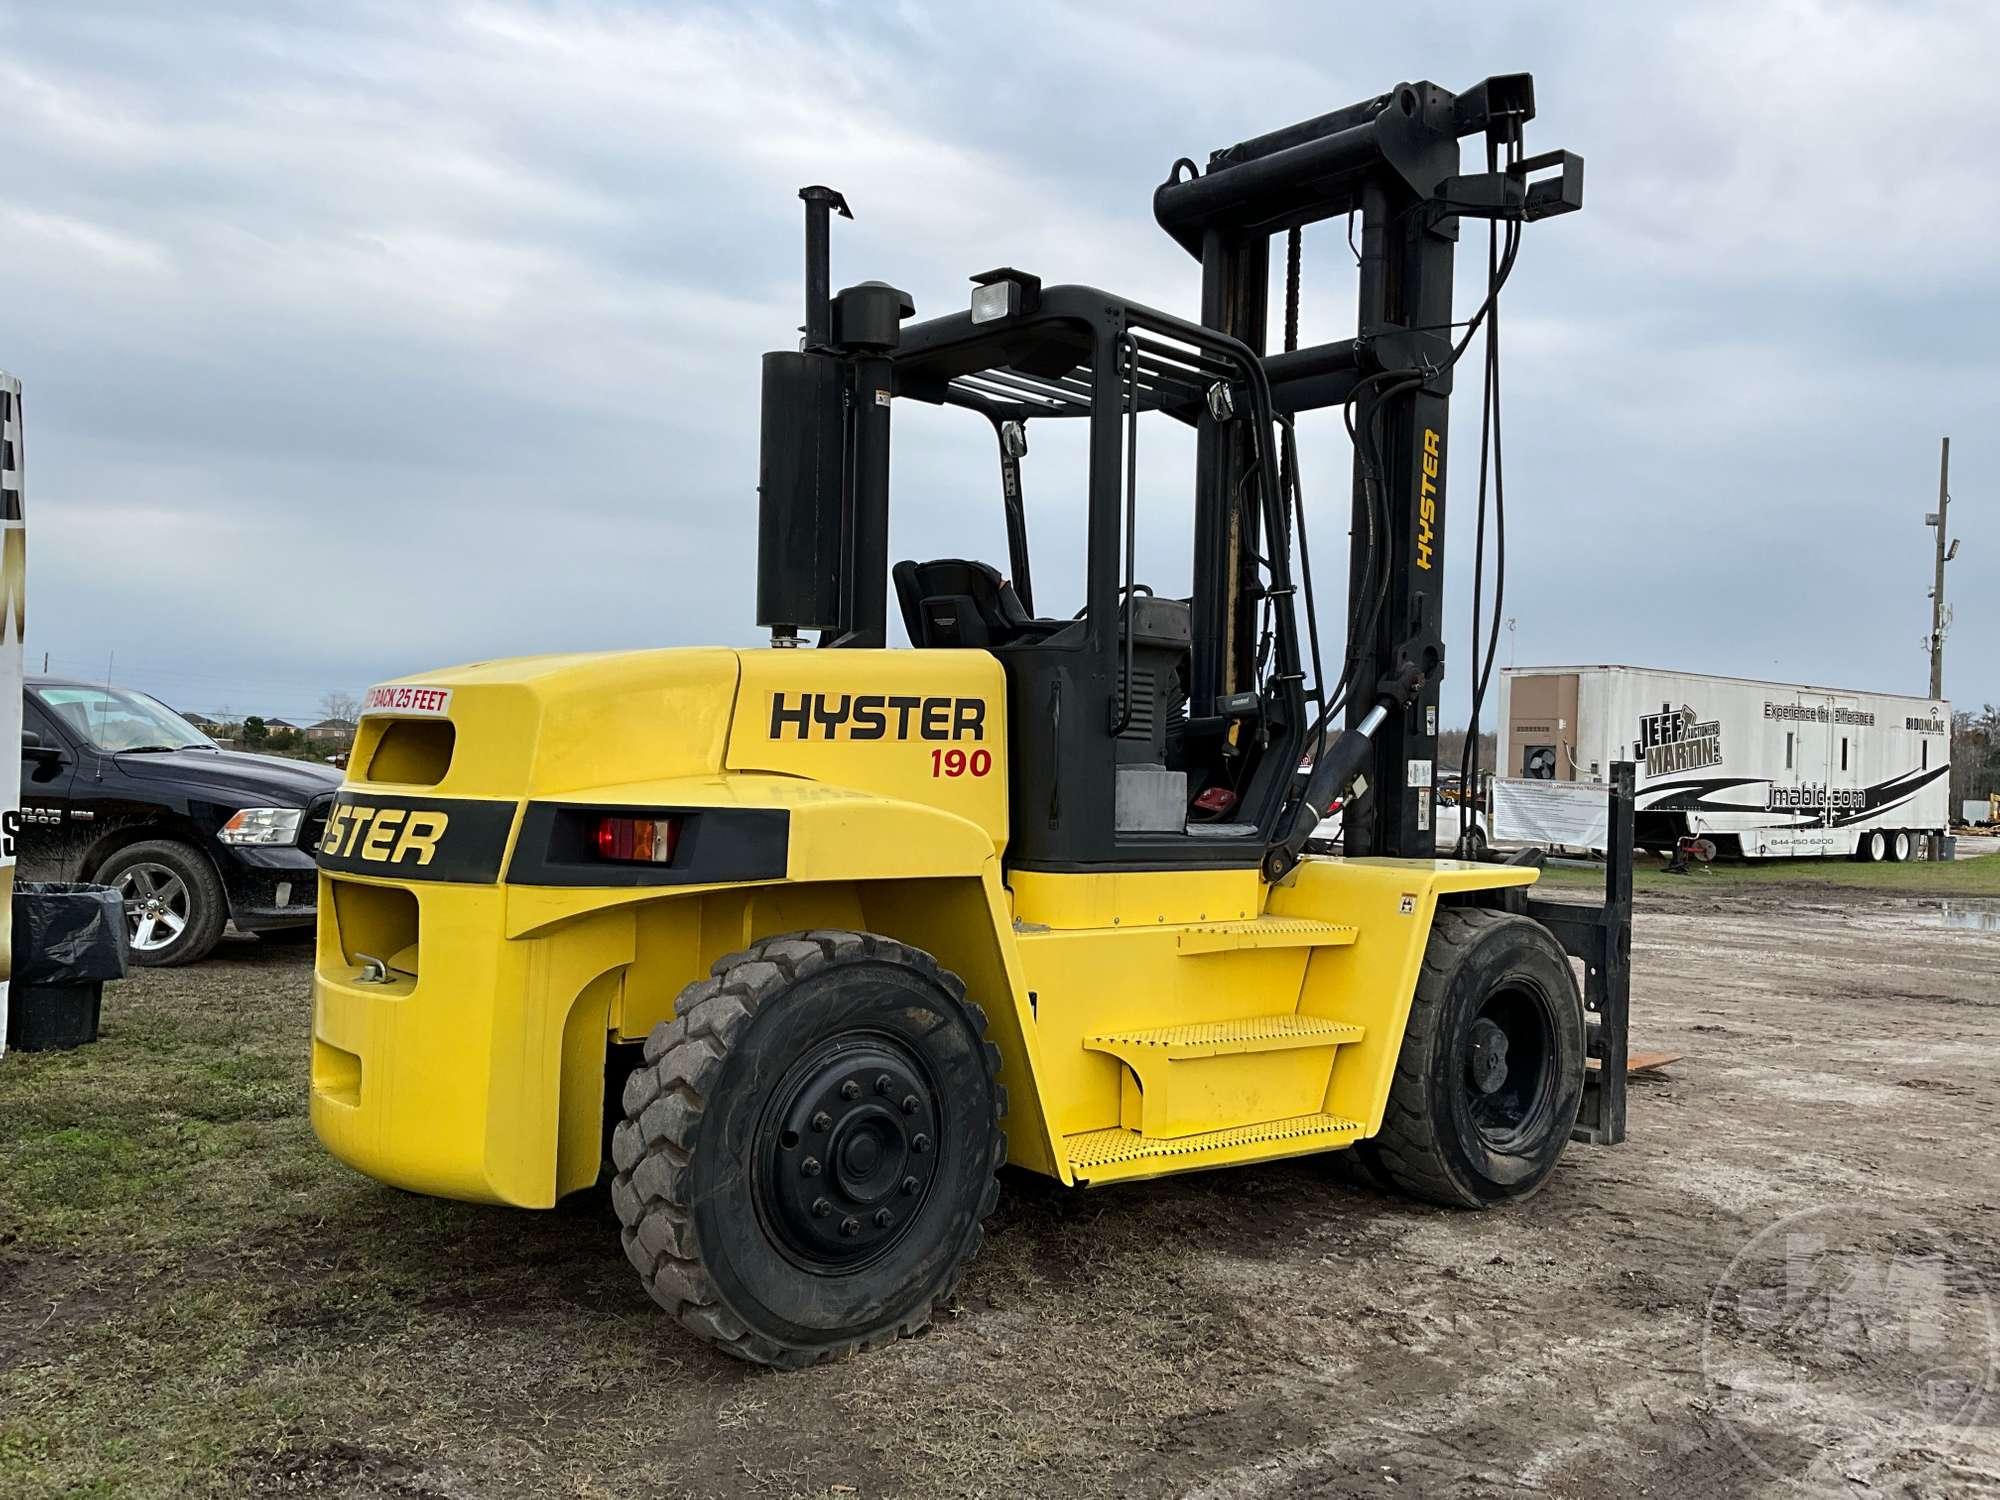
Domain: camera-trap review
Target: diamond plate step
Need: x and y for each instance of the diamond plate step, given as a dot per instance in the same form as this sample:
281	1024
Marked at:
1110	1155
1219	1038
1265	932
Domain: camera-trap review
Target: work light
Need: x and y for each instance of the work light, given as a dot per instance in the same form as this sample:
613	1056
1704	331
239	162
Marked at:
1004	292
995	300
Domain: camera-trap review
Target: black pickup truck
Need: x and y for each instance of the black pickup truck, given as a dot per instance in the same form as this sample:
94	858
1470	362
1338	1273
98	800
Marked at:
118	788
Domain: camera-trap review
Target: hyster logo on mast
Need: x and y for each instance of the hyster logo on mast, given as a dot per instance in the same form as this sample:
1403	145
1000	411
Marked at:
1427	508
1674	739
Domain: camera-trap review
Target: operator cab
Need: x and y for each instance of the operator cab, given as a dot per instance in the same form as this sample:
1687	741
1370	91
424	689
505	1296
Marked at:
1145	732
1114	763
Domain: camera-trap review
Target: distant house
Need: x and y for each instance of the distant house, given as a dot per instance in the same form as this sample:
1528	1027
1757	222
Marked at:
202	722
273	725
330	730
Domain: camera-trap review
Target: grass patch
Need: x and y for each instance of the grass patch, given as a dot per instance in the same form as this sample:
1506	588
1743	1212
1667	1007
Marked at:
1973	878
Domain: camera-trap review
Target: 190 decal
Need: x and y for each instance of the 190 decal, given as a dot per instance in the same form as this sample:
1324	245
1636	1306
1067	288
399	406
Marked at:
956	762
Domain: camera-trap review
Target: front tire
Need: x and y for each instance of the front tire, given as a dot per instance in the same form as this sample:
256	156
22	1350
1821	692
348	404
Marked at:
1872	847
1491	1071
809	1147
175	906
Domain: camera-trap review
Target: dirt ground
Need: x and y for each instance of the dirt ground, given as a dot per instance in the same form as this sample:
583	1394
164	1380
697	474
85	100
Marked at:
194	1300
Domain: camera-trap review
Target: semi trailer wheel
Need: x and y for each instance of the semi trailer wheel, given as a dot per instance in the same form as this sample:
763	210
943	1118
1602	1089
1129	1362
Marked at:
1899	846
809	1147
1490	1075
1873	846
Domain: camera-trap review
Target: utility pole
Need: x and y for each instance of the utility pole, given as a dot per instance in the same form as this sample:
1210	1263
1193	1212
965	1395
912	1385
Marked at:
1940	617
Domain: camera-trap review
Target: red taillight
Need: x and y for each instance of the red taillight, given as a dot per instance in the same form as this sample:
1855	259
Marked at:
638	840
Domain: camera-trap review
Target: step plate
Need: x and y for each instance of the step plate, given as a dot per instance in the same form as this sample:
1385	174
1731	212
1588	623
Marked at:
1253	1034
1098	1154
1265	932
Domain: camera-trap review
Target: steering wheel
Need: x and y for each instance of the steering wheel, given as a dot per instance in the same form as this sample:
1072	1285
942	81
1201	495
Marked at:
1136	589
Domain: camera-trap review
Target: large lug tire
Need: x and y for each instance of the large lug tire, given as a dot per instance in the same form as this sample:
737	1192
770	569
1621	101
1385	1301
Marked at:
809	1147
1491	1072
175	907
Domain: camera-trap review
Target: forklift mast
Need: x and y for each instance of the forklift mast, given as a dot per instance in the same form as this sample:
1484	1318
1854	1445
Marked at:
1392	163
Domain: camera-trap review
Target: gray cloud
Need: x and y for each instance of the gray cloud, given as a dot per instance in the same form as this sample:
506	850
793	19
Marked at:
365	339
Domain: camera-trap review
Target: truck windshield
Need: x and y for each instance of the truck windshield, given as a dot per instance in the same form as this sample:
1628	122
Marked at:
112	719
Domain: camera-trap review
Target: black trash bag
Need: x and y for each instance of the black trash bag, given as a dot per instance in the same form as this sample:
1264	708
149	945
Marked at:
67	933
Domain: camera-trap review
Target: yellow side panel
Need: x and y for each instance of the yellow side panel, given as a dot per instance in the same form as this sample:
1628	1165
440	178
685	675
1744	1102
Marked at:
1219	1093
1152	964
835	834
461	1080
1127	898
1091	982
963	925
681	937
923	727
1370	982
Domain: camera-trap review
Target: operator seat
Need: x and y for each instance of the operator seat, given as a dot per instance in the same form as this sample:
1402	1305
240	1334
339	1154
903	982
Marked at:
953	601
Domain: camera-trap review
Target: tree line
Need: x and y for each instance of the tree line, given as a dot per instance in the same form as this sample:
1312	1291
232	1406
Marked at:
1975	755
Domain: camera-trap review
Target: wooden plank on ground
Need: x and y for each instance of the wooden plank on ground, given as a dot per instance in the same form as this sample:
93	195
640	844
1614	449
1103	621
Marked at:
1641	1062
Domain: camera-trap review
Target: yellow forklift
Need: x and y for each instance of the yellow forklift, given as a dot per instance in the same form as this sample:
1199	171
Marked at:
814	939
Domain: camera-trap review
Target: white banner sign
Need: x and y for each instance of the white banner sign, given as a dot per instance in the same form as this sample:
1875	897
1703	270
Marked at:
1574	814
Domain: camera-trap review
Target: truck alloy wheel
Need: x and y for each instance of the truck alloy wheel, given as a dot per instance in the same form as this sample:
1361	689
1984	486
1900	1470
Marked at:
809	1147
174	903
156	905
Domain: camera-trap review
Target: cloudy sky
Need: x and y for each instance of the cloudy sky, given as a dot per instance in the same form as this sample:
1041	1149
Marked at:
365	338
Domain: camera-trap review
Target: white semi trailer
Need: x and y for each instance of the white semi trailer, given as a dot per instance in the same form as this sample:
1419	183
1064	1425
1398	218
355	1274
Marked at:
1763	769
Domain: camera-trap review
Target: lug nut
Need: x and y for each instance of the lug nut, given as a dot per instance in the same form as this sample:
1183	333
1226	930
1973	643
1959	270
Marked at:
850	1090
821	1208
910	1103
822	1121
850	1226
910	1186
810	1166
883	1218
883	1083
919	1144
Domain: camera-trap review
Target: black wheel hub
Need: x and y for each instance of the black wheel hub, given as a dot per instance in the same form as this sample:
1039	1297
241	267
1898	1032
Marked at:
847	1151
1487	1065
1509	1072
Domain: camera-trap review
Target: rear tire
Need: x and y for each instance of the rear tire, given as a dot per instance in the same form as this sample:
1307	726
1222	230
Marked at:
1872	846
175	907
1899	846
809	1148
1491	1072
